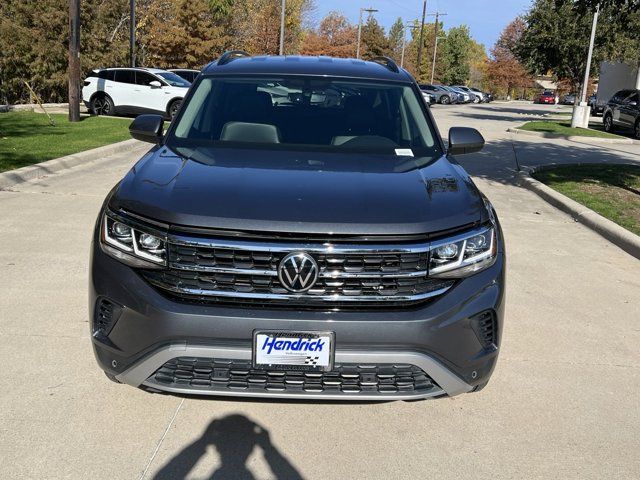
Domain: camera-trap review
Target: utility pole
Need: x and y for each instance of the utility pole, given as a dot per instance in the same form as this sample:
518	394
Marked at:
435	43
132	33
370	11
580	117
419	66
74	60
282	27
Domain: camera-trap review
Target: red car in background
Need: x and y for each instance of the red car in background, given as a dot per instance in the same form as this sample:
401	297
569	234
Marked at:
546	97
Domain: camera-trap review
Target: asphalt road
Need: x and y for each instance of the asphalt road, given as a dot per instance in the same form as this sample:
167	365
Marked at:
563	401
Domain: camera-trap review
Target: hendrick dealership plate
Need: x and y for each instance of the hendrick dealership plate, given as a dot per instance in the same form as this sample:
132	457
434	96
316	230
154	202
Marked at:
285	350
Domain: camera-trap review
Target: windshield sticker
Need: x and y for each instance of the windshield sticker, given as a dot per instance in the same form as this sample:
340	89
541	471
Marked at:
404	152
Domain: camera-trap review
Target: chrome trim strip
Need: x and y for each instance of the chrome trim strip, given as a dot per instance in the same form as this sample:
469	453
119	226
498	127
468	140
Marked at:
450	383
274	273
236	271
282	247
306	297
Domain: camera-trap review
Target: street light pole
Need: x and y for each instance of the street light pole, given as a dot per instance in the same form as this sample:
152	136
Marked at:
404	40
433	65
282	27
580	117
369	10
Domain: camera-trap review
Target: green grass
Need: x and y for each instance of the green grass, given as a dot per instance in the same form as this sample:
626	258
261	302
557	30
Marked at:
564	128
27	138
613	191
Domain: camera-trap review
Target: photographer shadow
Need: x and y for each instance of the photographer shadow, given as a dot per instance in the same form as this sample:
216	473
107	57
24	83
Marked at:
234	437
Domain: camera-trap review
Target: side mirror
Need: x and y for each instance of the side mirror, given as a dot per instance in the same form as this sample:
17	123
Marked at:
147	128
155	84
464	140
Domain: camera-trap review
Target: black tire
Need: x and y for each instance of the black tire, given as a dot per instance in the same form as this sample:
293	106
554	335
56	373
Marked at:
476	99
607	121
636	130
445	100
102	105
174	106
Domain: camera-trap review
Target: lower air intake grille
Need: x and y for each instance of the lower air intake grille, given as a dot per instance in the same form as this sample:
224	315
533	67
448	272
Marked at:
107	313
219	375
484	325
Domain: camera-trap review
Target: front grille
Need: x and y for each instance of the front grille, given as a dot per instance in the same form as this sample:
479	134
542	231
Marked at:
222	375
235	271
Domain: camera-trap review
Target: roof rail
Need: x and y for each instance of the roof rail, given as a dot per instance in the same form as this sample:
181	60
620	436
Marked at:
231	55
386	62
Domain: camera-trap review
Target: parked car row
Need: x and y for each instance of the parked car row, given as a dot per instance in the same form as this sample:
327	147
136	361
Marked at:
454	94
132	91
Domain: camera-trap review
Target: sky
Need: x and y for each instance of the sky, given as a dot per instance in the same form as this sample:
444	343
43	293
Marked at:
485	18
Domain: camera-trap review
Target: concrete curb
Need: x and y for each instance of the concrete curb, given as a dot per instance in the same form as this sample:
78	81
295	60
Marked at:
613	232
19	175
626	141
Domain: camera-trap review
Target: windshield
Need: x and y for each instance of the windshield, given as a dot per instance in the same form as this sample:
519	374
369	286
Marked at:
305	113
174	80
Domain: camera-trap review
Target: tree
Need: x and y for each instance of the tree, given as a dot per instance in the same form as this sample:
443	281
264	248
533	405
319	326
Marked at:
456	56
374	40
256	25
180	33
394	39
478	61
335	37
556	38
504	70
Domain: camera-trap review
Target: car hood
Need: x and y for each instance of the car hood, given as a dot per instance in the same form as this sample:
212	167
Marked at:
300	192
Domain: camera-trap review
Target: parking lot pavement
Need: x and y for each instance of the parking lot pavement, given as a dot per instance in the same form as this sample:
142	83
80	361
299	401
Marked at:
563	401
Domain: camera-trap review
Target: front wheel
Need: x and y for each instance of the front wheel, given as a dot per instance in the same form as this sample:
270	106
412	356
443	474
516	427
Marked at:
102	105
173	108
608	123
476	99
445	100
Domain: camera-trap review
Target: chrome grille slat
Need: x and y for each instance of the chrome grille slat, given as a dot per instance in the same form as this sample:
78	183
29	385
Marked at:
214	270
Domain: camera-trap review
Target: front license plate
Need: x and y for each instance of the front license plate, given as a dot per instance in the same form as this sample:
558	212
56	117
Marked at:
284	350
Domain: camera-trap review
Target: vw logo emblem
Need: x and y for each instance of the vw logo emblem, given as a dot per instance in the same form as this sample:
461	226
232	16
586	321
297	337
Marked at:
298	272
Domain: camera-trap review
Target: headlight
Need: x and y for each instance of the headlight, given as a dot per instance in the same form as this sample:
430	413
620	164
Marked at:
132	244
464	254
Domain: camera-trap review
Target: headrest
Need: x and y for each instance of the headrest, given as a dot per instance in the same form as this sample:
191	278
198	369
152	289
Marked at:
250	132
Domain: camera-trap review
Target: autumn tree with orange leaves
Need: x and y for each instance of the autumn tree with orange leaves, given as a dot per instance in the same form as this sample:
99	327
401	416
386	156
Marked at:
335	37
505	73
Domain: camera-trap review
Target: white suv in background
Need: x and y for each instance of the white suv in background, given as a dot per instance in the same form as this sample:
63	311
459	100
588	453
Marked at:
112	91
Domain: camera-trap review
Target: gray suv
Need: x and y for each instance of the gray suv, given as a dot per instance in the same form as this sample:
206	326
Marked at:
300	231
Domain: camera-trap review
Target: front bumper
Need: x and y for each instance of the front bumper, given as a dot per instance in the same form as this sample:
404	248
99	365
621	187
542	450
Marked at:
437	337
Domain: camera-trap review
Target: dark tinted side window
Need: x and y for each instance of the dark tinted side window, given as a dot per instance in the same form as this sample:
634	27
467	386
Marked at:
107	74
632	98
144	78
125	76
620	96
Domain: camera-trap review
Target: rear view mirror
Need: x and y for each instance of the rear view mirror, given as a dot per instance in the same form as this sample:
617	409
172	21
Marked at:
464	140
147	128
